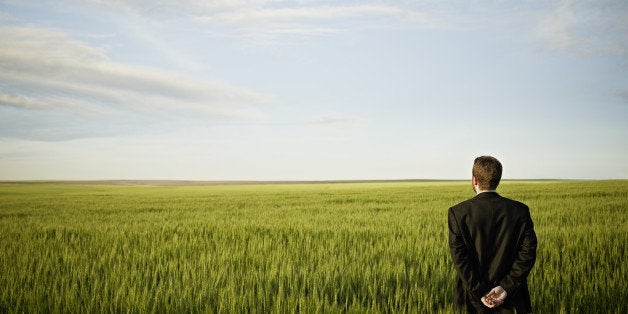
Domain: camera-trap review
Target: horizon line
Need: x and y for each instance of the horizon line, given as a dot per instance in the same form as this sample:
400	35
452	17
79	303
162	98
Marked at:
183	182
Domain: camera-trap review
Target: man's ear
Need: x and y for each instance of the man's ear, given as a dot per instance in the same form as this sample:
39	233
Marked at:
474	180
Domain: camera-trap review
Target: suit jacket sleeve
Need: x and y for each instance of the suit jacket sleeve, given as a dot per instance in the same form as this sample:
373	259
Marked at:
465	260
525	258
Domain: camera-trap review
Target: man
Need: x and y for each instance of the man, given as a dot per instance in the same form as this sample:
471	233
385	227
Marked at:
493	246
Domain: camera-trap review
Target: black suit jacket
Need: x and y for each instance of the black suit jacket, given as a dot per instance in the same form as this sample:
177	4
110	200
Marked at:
492	243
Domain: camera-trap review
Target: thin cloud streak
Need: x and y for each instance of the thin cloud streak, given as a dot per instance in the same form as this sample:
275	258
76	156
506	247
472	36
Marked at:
337	119
315	13
21	102
244	19
316	20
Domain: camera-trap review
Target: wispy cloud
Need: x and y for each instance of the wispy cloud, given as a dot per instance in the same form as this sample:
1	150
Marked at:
585	27
5	17
277	18
46	69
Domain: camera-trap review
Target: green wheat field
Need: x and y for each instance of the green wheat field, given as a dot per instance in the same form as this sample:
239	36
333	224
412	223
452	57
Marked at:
339	247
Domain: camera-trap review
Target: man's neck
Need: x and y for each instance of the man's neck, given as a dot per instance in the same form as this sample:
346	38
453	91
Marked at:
484	191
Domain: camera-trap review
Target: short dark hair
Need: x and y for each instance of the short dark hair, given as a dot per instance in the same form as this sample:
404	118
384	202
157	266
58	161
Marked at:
487	171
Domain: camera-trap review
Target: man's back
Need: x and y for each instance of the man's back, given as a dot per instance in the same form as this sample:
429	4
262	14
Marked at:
492	243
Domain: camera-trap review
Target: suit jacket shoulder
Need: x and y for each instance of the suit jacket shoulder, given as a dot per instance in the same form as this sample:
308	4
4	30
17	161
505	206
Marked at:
490	200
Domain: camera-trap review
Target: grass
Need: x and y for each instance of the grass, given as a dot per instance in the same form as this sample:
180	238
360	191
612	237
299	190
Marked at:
351	247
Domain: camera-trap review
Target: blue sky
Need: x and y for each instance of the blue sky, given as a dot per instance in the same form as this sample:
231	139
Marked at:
312	90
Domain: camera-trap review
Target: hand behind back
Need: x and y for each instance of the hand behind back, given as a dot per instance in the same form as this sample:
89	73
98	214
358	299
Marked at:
495	297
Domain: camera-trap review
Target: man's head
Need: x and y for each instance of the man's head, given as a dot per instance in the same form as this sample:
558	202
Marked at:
487	172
